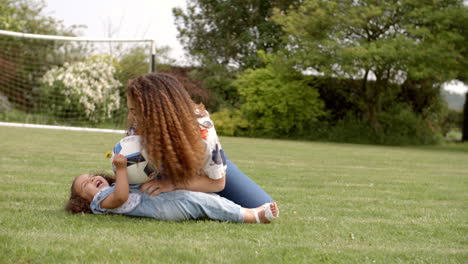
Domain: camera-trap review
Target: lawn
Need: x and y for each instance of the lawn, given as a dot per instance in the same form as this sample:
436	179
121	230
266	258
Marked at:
340	203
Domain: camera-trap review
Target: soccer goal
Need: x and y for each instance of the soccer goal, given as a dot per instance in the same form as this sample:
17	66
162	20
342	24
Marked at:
69	81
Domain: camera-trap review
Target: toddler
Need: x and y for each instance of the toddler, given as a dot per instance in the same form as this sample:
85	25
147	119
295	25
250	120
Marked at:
102	194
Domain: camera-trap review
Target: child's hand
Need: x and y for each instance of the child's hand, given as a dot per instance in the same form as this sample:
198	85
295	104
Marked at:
120	161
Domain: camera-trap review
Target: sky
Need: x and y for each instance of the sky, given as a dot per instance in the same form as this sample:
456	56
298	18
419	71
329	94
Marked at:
135	19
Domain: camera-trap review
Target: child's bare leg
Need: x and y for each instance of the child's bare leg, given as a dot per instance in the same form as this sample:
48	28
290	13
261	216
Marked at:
260	215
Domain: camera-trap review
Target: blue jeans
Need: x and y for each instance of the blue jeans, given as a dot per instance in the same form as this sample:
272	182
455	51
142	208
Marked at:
242	190
187	205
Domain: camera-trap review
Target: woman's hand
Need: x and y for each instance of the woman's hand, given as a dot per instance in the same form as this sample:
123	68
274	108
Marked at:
157	186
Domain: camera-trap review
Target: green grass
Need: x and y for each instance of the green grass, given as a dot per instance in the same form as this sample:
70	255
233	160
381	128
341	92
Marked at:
340	203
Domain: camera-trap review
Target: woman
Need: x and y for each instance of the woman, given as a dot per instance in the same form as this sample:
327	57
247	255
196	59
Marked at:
180	137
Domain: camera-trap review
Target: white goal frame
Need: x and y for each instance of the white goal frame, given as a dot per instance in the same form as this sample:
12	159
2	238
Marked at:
52	37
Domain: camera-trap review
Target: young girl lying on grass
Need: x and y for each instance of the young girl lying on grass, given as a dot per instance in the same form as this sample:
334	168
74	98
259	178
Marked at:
102	194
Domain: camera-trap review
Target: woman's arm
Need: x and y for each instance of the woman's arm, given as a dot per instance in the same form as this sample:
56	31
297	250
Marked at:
120	194
204	184
196	184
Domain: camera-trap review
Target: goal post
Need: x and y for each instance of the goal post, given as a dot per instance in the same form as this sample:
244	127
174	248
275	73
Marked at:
69	81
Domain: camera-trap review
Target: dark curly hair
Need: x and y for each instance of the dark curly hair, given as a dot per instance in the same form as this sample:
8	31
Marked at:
76	203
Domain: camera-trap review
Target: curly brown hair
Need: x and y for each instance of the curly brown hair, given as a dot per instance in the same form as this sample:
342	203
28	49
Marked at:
165	117
76	203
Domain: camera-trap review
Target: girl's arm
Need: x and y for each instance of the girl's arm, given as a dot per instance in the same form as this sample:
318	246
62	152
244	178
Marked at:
120	194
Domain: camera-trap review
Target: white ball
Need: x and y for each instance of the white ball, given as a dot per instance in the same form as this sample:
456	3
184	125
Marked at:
138	168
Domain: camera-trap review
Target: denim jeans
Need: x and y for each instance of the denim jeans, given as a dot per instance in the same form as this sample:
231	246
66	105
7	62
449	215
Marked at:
186	205
241	189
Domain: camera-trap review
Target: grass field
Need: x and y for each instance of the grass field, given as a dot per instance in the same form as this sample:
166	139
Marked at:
340	203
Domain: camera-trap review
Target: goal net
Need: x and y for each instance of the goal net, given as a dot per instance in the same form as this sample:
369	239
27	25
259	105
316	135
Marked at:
68	81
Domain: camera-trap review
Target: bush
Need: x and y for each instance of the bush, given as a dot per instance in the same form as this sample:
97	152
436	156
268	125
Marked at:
453	120
453	135
82	88
277	100
229	123
399	125
350	130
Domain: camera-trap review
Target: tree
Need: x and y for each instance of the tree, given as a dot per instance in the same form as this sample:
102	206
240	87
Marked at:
27	16
229	32
224	37
380	40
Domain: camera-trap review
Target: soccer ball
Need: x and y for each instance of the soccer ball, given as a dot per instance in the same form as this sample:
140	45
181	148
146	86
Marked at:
139	170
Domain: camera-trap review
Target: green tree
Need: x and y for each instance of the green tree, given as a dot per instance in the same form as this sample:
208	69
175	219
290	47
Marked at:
380	40
230	32
224	37
27	16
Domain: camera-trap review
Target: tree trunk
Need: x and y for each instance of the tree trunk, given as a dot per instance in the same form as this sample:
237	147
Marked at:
373	101
465	119
367	103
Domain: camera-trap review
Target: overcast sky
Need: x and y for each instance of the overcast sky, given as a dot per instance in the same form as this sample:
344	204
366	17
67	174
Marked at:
151	19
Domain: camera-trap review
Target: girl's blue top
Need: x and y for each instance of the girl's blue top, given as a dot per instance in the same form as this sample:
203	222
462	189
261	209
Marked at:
134	199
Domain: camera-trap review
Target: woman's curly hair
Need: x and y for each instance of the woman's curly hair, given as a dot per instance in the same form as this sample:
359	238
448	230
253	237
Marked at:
76	203
165	117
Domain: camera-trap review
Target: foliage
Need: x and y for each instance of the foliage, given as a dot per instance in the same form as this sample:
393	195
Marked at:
229	32
229	122
135	61
132	64
224	37
28	16
218	81
385	41
454	135
453	120
278	101
397	126
423	96
184	75
89	87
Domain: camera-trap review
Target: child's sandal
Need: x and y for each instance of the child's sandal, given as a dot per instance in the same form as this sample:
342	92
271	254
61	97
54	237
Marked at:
268	213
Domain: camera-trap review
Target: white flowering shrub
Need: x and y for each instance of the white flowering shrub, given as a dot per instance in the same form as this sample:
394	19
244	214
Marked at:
86	88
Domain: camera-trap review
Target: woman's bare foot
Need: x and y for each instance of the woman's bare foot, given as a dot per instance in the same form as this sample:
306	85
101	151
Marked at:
263	214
